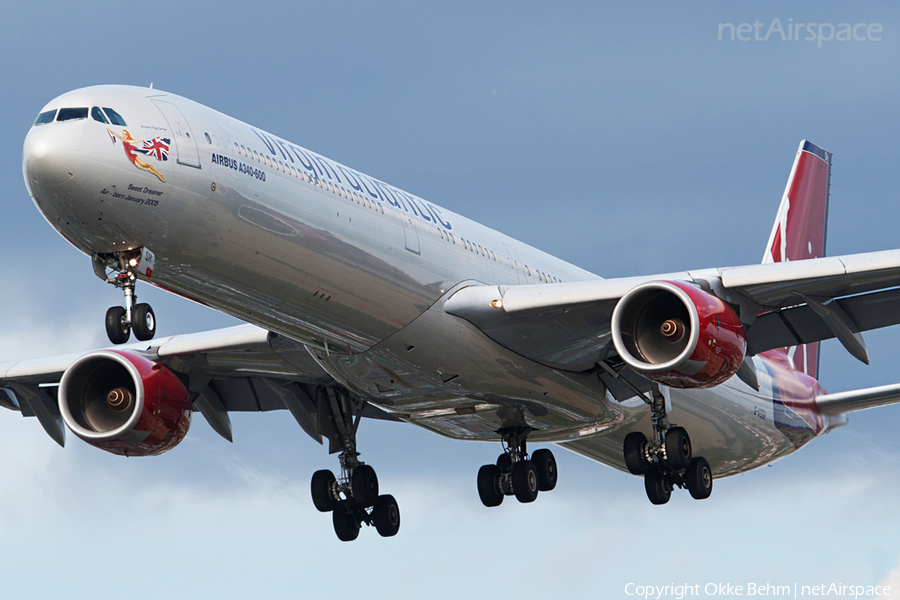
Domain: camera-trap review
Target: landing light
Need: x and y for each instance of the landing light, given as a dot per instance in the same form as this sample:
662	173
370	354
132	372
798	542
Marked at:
497	303
133	262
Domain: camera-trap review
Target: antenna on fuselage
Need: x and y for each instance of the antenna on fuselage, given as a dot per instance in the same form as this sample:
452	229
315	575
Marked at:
151	85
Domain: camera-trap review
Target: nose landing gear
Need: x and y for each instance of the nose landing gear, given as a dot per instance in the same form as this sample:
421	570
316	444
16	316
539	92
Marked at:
516	474
667	461
121	321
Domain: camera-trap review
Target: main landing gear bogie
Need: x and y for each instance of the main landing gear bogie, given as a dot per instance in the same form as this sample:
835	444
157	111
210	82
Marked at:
667	461
515	474
353	499
136	318
354	502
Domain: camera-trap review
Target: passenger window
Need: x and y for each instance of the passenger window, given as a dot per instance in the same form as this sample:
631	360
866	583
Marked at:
72	114
114	117
208	139
98	115
45	117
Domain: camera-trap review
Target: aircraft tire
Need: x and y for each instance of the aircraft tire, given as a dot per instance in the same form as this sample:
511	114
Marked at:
504	463
525	481
320	490
658	491
346	527
699	478
386	516
143	322
678	448
364	484
635	456
545	465
489	486
116	329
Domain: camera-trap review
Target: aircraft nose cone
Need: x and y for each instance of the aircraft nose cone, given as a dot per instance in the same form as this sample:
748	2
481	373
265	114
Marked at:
47	158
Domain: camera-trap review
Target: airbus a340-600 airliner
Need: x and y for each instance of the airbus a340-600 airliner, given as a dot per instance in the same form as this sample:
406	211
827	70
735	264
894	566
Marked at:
362	300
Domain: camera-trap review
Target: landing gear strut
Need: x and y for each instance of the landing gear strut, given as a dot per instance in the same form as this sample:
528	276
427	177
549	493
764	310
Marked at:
516	474
120	322
666	461
353	498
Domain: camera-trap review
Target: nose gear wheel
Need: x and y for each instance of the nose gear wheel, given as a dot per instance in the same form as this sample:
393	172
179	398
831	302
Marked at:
136	318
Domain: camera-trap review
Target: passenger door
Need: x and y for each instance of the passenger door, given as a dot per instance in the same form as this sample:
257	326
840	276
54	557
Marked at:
182	136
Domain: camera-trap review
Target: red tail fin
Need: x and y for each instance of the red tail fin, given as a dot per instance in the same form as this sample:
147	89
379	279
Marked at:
800	227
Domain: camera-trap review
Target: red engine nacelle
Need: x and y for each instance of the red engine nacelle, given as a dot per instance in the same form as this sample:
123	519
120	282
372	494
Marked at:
680	336
124	403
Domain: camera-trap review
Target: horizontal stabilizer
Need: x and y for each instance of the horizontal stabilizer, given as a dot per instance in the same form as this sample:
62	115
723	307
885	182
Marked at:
844	402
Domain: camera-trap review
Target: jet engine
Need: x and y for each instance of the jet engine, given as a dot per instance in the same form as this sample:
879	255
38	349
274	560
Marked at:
124	403
676	334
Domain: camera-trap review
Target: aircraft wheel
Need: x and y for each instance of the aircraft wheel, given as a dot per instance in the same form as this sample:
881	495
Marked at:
678	448
504	463
699	478
545	465
635	448
386	516
489	485
658	489
525	481
116	328
143	322
364	484
320	489
346	527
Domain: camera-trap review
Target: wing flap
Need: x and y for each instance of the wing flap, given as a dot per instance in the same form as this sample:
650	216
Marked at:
777	284
801	325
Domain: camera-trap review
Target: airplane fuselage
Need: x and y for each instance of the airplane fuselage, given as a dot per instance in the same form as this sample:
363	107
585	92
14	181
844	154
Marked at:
358	271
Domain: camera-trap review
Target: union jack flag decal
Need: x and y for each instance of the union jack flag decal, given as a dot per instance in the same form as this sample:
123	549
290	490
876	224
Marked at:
157	147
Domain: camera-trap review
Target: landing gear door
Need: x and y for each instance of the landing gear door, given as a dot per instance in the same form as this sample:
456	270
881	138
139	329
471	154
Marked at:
182	135
146	263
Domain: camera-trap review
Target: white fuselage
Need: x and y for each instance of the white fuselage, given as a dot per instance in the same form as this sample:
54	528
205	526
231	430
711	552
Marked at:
357	271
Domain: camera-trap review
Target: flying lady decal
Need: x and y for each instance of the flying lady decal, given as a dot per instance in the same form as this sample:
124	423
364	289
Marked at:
157	147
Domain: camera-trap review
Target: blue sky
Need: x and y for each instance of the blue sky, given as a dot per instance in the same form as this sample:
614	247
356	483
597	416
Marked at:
626	139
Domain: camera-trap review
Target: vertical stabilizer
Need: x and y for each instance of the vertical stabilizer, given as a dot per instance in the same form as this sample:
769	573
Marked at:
800	227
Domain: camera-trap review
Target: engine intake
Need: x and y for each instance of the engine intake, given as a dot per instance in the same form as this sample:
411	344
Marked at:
678	335
124	403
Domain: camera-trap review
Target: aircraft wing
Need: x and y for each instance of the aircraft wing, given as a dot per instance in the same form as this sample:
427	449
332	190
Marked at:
568	325
242	368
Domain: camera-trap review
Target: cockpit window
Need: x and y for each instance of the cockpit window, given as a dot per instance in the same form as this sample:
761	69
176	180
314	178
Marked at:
72	114
46	117
98	115
114	117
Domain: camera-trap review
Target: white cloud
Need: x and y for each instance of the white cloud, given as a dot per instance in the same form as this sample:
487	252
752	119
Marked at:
892	581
